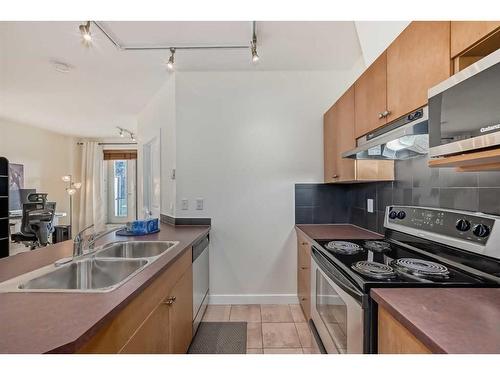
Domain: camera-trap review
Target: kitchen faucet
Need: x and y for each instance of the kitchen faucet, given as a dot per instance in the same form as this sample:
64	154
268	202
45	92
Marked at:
78	243
98	235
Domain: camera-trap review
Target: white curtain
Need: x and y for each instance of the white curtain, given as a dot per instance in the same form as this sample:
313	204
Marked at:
92	199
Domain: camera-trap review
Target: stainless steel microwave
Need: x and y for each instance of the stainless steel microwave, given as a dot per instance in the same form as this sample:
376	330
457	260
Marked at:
464	110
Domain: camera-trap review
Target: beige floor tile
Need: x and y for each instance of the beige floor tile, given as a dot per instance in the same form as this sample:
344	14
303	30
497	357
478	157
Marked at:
276	314
245	313
283	351
280	335
217	313
297	314
254	335
254	351
305	336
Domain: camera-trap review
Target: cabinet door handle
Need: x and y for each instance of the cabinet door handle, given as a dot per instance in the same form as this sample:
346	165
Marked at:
170	301
384	114
304	244
303	299
304	268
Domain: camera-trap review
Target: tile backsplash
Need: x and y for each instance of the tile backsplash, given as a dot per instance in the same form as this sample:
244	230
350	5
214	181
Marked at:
415	184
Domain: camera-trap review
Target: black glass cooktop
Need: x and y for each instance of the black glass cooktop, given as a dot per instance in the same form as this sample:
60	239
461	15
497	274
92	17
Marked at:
385	254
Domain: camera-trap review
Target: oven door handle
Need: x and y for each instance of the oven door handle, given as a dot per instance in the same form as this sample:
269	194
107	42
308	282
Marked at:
329	269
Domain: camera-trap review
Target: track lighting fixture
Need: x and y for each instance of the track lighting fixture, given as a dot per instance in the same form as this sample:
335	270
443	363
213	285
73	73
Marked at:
123	131
87	40
170	63
86	35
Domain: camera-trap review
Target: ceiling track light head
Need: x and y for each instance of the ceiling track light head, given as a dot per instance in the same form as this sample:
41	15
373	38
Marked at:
170	63
85	31
253	46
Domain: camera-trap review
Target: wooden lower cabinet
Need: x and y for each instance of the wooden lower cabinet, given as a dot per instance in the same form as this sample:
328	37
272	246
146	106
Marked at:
181	314
157	321
394	338
304	274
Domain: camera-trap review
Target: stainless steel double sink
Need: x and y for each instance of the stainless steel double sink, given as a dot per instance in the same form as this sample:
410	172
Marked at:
100	271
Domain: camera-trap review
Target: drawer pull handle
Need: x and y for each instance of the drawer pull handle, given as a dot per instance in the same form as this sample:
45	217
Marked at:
304	244
304	268
170	301
303	299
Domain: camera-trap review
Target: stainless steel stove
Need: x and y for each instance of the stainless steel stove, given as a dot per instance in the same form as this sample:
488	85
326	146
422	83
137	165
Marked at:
422	248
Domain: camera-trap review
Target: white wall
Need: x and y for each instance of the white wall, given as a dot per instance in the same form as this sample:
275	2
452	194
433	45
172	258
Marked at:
158	117
375	36
46	157
243	140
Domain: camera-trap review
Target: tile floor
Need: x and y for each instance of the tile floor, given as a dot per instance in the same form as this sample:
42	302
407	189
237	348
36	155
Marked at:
271	329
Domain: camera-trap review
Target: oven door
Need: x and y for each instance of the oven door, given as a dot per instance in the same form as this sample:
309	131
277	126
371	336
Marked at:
337	308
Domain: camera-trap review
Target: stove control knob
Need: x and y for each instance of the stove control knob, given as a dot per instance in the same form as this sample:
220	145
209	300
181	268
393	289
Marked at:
393	215
401	215
481	230
463	225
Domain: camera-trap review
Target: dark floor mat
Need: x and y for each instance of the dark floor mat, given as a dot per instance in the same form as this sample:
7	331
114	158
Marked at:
220	338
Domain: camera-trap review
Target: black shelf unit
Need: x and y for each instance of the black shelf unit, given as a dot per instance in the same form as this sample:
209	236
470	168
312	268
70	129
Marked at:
4	208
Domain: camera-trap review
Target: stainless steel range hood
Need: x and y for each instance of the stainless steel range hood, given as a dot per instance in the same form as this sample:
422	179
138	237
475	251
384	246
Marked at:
404	138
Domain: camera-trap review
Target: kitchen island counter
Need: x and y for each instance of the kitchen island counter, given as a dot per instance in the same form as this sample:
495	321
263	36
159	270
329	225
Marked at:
62	322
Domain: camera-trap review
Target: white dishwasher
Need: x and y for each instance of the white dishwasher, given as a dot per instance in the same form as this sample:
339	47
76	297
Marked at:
200	280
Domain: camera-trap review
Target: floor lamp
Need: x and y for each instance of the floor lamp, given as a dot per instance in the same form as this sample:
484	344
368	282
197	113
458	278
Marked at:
71	189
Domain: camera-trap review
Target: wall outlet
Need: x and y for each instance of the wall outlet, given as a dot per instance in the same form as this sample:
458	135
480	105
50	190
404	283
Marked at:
199	204
184	204
369	205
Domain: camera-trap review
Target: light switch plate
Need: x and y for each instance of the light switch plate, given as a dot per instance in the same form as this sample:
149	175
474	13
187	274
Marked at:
184	204
369	205
199	204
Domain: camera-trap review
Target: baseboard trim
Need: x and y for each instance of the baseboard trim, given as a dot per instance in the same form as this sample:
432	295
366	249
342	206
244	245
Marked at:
249	299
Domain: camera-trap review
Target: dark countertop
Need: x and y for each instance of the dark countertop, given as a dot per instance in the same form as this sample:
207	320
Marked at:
337	232
63	322
447	320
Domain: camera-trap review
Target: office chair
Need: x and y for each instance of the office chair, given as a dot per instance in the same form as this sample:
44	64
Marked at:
37	223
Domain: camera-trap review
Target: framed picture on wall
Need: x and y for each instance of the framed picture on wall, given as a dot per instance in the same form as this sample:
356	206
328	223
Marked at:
16	176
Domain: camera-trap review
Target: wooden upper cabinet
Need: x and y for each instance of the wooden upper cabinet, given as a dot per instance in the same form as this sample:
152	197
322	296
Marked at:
339	137
329	145
370	92
465	34
417	60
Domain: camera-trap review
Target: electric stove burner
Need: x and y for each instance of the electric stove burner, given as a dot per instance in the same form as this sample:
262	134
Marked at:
420	268
374	270
343	247
377	246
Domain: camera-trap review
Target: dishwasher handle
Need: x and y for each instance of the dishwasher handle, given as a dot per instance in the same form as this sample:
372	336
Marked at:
200	247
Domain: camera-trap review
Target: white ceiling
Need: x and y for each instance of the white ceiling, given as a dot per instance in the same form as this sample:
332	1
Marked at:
108	88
